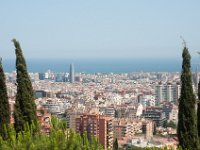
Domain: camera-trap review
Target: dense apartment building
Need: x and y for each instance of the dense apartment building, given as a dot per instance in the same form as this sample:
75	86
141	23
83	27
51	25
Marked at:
130	112
156	114
168	108
97	126
71	119
147	100
148	128
124	127
108	111
127	128
167	93
173	115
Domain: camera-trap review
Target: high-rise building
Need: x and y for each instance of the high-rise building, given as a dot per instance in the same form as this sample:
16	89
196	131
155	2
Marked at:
167	93
71	73
41	76
96	126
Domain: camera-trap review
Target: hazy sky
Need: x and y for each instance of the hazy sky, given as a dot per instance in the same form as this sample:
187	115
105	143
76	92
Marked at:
99	28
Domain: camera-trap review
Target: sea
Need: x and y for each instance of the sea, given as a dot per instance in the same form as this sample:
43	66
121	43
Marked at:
101	65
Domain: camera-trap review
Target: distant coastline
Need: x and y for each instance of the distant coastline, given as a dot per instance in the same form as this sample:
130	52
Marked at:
100	65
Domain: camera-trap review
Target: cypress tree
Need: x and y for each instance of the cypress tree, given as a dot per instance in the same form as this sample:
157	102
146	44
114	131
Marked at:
115	144
4	104
187	118
198	110
25	108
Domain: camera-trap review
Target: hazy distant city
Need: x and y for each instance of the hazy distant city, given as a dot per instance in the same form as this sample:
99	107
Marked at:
110	70
138	105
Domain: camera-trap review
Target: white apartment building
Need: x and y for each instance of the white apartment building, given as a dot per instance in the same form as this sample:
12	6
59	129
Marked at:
173	115
167	93
147	100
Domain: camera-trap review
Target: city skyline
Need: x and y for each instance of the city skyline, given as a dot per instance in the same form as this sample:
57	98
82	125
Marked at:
99	29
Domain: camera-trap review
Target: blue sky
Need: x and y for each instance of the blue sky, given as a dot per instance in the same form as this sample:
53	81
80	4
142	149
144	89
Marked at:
99	28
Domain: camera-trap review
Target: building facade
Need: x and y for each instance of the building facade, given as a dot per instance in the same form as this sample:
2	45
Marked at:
96	126
156	114
167	93
71	73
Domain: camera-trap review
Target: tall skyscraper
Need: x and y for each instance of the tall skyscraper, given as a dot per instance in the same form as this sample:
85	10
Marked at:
71	73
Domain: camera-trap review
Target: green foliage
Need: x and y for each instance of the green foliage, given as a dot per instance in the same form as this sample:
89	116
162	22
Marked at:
172	125
25	108
198	110
169	124
154	148
187	118
59	139
165	124
4	104
115	144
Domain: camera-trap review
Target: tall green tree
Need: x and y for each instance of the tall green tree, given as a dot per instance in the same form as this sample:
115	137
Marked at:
187	118
198	110
4	104
25	108
115	144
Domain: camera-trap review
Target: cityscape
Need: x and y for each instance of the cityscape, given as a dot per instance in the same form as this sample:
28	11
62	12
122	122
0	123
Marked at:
99	75
139	108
